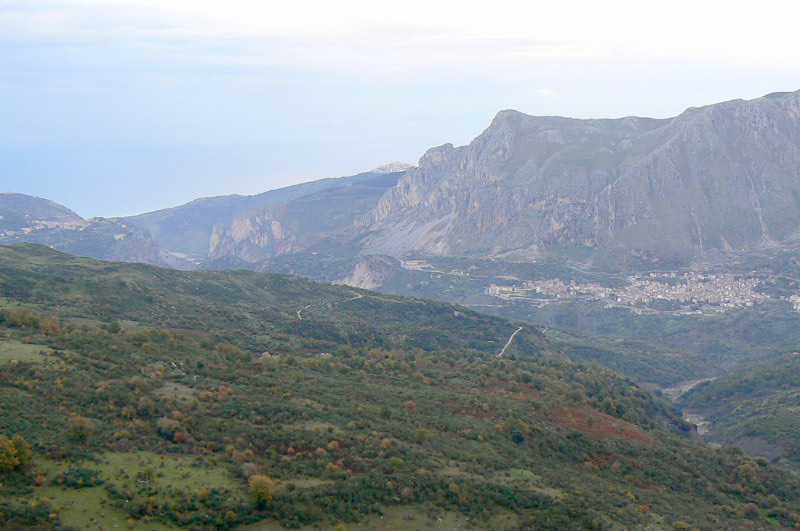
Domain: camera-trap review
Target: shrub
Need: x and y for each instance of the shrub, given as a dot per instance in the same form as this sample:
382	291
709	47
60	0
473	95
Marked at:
80	428
167	427
751	511
24	452
261	488
9	455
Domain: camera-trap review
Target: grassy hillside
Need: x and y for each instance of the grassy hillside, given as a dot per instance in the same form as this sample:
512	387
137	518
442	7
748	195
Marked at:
154	399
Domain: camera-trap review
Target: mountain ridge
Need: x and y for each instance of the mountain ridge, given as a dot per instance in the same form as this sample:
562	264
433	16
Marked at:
622	194
636	185
189	228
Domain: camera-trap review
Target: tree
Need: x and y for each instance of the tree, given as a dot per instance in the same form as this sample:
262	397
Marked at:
14	453
24	452
9	455
261	488
80	428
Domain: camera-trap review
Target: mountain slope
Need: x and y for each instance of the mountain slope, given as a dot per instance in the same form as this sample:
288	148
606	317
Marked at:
188	229
210	400
25	218
710	181
296	225
755	408
18	210
249	228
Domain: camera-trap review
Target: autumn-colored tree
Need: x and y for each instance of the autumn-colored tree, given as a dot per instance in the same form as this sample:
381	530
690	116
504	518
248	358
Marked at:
167	426
146	407
51	326
261	488
24	452
14	453
9	455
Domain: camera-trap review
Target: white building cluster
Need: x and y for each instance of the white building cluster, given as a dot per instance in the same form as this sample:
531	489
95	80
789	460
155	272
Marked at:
694	292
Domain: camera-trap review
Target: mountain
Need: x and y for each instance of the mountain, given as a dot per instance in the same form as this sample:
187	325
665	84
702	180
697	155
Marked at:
189	229
151	398
632	191
215	232
19	211
297	225
25	218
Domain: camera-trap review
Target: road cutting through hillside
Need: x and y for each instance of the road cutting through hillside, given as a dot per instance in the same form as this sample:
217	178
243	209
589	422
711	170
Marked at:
510	339
307	306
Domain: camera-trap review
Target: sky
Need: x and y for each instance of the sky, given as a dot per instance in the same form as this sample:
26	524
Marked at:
117	107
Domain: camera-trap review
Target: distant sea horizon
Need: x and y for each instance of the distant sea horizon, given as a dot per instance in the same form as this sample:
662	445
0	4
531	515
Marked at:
125	180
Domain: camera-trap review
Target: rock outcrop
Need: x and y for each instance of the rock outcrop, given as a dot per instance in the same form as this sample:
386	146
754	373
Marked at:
713	180
281	228
252	236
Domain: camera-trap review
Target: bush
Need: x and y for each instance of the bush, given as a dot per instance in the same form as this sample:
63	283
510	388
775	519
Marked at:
24	452
9	455
79	478
80	428
261	488
751	511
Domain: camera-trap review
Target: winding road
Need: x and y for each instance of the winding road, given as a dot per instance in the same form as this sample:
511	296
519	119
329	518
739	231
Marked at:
307	306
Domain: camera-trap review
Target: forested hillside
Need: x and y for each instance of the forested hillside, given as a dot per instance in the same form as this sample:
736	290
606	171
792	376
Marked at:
755	408
151	399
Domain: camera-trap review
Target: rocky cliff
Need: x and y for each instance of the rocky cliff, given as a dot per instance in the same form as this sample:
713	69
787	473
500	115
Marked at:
713	180
219	221
282	228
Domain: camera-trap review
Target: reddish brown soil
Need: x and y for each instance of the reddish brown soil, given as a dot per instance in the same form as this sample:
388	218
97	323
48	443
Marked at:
596	424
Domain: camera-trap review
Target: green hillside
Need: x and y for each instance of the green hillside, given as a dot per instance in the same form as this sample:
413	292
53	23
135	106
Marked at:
156	399
756	408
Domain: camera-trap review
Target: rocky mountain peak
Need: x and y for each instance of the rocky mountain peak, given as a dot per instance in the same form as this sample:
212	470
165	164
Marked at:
436	156
714	179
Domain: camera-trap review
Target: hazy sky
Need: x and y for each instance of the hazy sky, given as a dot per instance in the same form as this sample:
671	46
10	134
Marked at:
116	107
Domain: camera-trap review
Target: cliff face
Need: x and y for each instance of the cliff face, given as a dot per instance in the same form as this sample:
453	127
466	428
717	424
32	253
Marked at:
252	237
299	224
712	180
188	229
